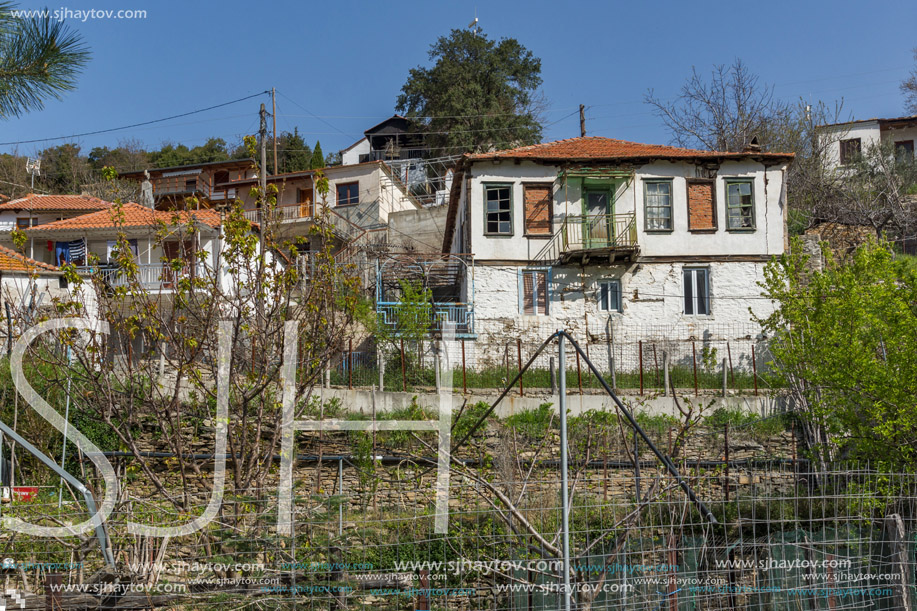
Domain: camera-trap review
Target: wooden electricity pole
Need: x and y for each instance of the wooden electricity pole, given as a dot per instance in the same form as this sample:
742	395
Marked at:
582	120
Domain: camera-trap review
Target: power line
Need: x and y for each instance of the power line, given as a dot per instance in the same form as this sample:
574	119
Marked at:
114	129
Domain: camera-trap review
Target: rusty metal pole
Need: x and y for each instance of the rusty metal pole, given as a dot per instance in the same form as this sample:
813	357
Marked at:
579	375
350	365
640	346
732	375
754	368
519	361
53	594
726	456
404	379
694	350
464	378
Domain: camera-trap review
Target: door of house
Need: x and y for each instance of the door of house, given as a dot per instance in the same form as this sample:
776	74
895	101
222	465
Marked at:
598	224
177	250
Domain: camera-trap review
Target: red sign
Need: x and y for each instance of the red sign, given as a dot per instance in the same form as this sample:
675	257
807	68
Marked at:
25	493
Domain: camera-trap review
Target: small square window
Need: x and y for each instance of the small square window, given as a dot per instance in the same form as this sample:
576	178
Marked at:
610	295
657	197
740	204
348	194
498	210
25	223
904	151
697	291
850	150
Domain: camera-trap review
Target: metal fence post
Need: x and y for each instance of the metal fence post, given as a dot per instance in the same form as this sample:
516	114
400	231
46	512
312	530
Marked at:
553	377
732	376
519	362
694	351
725	376
380	357
665	372
565	509
640	350
464	378
350	365
754	368
404	379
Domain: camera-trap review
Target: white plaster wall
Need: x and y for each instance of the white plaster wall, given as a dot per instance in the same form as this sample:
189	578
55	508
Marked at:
867	132
766	239
351	156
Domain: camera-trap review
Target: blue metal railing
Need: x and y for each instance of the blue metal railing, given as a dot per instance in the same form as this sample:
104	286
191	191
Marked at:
459	314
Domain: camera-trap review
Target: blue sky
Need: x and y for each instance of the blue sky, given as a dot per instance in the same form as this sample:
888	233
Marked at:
339	66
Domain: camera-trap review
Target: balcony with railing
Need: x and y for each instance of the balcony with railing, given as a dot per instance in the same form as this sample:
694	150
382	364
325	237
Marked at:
433	317
608	237
289	212
155	276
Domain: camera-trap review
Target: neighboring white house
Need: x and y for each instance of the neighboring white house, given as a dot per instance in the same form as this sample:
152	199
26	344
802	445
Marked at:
358	152
846	140
614	238
27	284
32	210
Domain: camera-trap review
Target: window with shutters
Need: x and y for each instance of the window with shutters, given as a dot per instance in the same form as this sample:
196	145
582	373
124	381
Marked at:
697	291
538	209
498	209
610	295
701	205
533	292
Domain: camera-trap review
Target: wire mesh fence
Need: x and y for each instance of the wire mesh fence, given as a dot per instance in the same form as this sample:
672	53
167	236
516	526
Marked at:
644	360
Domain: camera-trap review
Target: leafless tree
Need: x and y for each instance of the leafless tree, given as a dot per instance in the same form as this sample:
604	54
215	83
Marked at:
722	114
909	87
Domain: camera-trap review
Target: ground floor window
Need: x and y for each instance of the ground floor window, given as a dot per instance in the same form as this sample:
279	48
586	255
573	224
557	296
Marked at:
610	295
697	291
533	291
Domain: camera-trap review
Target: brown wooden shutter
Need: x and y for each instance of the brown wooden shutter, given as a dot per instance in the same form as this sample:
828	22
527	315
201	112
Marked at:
541	292
537	208
701	205
528	293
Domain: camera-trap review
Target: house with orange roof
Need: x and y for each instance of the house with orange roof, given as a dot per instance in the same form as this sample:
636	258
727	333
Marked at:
90	241
33	209
26	284
611	239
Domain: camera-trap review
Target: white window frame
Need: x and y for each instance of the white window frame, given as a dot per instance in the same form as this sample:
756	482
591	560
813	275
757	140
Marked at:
693	302
605	293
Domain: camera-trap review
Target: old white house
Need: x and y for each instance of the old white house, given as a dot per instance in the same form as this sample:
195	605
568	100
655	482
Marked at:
845	141
614	238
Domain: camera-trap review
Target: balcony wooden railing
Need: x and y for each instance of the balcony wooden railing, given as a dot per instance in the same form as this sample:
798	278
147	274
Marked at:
288	212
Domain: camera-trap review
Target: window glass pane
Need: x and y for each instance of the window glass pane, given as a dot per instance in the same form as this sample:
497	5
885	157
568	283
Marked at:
702	297
689	291
497	210
603	296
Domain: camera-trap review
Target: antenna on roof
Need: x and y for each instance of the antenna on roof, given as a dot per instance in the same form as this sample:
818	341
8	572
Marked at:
33	167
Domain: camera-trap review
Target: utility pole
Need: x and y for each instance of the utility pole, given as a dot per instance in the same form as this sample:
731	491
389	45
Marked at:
274	119
582	121
262	133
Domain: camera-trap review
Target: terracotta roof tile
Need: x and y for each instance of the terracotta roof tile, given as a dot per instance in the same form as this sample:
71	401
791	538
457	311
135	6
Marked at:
595	148
128	215
55	202
12	261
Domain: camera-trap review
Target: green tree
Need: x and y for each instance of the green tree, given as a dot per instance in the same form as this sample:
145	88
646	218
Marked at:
64	169
318	159
843	341
293	154
478	94
40	58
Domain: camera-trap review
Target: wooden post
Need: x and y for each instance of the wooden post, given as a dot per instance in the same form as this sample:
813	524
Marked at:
640	347
605	468
423	599
754	368
350	366
665	373
53	594
519	361
725	376
464	377
732	377
553	376
404	379
694	350
726	456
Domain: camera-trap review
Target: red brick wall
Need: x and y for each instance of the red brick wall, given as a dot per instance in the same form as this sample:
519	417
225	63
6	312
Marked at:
701	206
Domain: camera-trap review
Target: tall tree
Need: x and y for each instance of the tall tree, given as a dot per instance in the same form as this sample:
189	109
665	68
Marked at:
724	114
909	87
40	58
318	159
294	155
479	94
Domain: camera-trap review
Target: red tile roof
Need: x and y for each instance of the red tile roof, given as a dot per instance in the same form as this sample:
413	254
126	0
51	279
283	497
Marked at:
128	215
55	202
593	148
12	261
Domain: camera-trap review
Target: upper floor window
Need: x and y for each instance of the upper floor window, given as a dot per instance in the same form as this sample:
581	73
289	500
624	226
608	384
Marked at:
610	295
850	150
740	204
25	223
657	198
533	291
537	200
498	209
904	151
348	194
697	291
701	204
